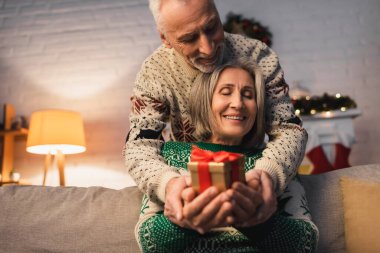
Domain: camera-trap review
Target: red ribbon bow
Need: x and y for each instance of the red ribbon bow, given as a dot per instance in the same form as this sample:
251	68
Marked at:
203	157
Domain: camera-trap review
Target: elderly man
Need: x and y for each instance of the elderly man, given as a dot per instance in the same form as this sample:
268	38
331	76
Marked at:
194	42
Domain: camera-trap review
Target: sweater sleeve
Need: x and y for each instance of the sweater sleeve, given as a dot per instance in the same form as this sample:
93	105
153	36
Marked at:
142	152
287	138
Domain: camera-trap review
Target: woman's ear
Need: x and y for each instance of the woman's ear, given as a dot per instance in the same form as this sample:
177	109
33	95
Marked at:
164	40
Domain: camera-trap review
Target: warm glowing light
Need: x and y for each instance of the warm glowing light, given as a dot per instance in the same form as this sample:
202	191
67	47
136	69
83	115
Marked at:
338	95
298	112
343	109
307	97
53	130
328	114
56	132
312	111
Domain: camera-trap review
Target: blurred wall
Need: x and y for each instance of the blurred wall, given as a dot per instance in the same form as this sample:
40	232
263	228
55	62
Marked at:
84	56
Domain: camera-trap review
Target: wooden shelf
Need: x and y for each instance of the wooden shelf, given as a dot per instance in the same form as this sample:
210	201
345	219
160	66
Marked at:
7	136
17	132
21	182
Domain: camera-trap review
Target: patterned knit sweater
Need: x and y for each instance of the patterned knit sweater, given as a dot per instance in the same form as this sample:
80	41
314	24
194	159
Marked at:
161	94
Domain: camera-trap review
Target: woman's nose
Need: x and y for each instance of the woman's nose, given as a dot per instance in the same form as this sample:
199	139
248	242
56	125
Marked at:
236	101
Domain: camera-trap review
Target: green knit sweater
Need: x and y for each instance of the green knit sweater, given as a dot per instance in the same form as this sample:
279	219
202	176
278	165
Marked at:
293	230
177	154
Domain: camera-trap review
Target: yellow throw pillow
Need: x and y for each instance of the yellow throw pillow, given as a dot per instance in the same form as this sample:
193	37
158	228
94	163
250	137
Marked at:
361	202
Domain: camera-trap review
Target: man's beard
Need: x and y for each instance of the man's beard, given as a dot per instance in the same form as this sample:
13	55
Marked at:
208	68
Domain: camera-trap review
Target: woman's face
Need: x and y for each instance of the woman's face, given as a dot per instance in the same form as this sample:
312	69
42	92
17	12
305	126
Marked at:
233	106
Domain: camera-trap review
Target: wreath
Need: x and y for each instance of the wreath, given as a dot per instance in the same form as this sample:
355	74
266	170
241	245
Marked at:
311	105
249	27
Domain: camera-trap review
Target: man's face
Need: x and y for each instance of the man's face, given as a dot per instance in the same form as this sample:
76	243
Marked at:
195	31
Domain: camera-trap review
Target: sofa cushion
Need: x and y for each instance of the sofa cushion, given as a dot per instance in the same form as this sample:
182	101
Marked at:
361	215
68	219
325	203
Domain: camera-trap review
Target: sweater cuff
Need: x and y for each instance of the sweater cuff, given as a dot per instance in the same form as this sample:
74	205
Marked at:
275	171
165	178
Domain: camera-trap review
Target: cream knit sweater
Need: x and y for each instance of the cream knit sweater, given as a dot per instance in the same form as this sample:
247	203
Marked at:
161	95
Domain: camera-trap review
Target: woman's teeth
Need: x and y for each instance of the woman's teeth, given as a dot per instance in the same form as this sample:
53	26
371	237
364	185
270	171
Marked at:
234	117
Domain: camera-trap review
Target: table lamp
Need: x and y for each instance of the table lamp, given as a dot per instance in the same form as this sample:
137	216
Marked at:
55	132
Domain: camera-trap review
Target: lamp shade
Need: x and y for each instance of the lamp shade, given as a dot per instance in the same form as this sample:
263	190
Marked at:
56	130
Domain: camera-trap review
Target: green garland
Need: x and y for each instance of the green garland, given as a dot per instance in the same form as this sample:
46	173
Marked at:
311	105
249	27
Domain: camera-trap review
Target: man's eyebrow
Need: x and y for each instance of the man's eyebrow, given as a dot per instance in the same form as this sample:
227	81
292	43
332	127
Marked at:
186	35
211	20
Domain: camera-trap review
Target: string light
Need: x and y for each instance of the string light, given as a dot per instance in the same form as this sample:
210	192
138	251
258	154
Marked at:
310	105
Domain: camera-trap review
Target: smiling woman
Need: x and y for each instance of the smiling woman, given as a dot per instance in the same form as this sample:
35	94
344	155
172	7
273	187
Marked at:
232	99
233	106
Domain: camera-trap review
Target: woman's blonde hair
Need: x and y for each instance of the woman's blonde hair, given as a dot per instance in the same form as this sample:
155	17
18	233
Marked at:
201	99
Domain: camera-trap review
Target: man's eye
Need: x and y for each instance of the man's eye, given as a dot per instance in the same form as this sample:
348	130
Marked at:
211	28
189	39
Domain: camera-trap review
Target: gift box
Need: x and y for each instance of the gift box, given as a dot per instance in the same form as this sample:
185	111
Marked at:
218	169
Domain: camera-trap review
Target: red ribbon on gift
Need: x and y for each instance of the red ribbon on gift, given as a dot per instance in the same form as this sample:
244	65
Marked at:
203	157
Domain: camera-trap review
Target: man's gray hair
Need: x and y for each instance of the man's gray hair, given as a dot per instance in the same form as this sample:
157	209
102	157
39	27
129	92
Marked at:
201	98
154	6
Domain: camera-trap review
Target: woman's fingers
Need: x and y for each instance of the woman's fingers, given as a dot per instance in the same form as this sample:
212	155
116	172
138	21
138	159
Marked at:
196	206
214	214
208	210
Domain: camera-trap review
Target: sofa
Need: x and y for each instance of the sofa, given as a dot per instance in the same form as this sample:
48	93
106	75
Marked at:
97	219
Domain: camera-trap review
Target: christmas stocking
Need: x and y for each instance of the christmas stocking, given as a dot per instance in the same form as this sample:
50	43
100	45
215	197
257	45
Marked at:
316	155
343	149
341	156
320	162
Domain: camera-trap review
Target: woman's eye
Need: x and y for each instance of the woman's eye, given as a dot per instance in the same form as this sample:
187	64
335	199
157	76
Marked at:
248	94
225	91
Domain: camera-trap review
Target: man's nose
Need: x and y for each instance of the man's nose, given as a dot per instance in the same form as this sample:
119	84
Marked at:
206	45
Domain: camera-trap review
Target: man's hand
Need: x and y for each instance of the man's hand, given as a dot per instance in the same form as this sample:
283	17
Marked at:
260	180
247	199
173	202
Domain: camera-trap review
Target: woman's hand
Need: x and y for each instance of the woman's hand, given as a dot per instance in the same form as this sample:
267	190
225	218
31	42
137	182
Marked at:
208	210
242	205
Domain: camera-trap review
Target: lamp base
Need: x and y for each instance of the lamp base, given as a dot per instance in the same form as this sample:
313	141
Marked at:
60	160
